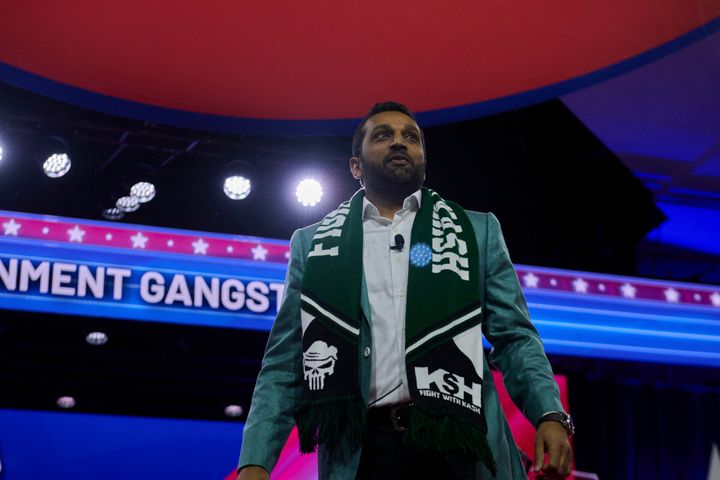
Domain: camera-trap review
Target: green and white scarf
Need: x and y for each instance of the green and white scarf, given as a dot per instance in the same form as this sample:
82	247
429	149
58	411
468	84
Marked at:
443	353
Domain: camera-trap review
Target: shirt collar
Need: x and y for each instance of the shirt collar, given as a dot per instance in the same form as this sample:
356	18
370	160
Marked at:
411	202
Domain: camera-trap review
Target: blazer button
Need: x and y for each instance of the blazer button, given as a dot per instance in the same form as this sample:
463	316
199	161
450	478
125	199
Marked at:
366	352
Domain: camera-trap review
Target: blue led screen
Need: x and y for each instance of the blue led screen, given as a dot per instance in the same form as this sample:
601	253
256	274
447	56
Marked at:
215	280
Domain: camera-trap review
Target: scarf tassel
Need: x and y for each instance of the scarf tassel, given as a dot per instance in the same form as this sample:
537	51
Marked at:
331	421
449	435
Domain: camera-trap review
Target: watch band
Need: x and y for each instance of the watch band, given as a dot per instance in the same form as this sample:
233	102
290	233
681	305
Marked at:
562	418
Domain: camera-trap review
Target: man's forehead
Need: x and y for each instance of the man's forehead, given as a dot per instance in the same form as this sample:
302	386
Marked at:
391	118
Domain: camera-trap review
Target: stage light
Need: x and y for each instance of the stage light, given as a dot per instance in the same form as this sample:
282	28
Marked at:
309	192
96	338
113	213
1	153
57	165
237	187
65	402
233	410
143	191
127	204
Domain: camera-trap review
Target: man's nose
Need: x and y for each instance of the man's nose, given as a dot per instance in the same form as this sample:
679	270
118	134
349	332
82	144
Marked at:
398	142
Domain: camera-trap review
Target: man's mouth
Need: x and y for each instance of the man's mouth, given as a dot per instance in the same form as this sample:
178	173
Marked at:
398	158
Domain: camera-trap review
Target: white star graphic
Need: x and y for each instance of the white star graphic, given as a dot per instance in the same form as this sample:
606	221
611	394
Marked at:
170	242
531	280
230	249
672	295
75	234
287	254
601	287
715	299
259	252
580	285
553	282
697	297
139	240
45	230
108	237
200	247
628	291
11	227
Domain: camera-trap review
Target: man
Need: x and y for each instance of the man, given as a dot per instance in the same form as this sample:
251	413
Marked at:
376	352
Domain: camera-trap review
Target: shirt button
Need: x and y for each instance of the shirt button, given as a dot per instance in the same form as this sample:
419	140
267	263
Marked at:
401	293
366	352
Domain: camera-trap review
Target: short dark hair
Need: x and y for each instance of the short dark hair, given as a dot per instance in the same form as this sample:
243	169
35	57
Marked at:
379	107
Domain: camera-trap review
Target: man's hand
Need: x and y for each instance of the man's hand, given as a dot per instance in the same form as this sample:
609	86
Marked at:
551	438
252	472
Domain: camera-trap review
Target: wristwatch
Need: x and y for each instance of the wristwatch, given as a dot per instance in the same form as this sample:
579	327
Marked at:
562	418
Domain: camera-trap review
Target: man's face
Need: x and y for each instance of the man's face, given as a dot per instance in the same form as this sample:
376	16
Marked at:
393	156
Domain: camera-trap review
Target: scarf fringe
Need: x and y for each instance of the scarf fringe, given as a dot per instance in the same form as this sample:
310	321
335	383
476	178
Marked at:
331	421
447	434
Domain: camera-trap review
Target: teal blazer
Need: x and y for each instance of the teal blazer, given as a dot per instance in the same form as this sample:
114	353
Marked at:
517	352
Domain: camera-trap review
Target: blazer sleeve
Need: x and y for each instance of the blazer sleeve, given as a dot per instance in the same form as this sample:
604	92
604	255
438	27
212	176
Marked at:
279	383
516	347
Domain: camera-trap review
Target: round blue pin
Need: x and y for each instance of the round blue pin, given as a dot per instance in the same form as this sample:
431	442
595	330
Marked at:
420	255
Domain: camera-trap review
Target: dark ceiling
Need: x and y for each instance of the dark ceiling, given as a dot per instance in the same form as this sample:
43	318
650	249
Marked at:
662	121
563	198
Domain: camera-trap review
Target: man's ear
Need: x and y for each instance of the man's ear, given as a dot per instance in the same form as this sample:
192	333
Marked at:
355	169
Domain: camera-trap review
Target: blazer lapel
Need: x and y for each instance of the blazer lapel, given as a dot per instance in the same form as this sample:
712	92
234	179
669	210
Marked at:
364	300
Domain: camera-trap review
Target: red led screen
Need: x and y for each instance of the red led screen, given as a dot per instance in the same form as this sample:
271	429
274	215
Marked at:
330	60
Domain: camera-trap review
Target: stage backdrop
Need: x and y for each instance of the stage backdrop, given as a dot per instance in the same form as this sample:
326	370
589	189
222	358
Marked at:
81	267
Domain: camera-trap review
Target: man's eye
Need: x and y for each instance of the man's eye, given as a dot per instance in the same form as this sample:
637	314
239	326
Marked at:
381	134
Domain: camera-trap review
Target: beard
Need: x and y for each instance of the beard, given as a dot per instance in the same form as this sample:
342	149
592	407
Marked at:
392	177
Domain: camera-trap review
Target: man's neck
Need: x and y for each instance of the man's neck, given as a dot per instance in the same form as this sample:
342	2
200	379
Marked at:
387	205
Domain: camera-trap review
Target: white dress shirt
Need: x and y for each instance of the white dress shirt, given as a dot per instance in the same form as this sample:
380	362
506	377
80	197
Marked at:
386	275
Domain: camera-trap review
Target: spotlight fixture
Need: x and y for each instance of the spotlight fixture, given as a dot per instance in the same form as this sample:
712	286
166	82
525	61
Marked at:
65	402
1	153
143	191
233	411
57	165
237	187
309	192
127	204
113	213
96	338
